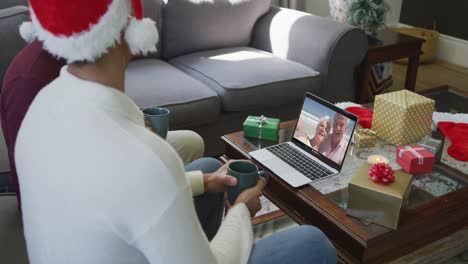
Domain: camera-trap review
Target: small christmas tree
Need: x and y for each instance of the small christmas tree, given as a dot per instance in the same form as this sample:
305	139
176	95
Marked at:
369	15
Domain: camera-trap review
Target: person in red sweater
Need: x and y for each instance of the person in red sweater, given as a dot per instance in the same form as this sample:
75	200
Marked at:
32	69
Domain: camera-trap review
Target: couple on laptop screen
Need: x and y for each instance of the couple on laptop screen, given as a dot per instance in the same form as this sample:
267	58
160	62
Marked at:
324	130
317	148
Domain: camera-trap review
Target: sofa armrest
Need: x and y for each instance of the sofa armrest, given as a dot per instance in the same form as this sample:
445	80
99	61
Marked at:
4	162
10	3
331	48
11	42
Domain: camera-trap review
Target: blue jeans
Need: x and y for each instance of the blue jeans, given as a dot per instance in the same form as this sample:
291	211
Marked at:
209	206
301	244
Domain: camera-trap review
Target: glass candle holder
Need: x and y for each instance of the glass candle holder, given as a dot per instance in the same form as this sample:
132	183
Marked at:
377	159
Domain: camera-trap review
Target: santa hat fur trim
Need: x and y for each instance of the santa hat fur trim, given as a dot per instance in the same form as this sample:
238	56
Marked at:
141	35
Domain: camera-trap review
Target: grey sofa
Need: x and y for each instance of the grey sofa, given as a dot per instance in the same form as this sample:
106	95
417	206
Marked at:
218	63
211	79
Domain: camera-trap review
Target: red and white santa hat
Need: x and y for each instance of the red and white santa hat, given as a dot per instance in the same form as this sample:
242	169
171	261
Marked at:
84	30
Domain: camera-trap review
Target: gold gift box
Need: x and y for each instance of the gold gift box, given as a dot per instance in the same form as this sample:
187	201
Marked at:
377	203
402	117
364	138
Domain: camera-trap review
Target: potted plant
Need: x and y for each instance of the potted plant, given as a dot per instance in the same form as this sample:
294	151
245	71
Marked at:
369	15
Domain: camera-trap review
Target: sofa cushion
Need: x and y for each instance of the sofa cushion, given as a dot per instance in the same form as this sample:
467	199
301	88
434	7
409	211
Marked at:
12	242
11	42
4	161
250	79
153	82
151	9
11	3
190	25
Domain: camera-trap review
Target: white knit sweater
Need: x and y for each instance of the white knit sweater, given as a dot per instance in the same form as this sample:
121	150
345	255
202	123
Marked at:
97	187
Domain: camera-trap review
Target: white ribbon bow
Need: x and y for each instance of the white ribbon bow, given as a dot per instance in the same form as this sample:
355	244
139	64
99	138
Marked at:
414	151
260	121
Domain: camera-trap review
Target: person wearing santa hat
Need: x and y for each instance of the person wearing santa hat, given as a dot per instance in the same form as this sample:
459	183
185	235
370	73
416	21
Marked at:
33	68
111	191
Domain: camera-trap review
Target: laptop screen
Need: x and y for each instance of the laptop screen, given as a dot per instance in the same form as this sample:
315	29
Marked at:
324	130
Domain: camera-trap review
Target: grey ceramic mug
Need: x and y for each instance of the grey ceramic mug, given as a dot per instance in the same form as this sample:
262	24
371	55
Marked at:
246	174
158	119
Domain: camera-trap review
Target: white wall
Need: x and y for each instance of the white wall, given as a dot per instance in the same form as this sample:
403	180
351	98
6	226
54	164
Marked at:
318	7
321	8
453	50
395	11
450	49
276	2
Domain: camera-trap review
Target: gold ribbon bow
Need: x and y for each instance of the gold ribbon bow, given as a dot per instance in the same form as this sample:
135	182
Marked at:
366	131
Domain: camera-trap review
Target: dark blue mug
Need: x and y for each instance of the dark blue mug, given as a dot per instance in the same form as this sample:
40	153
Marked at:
158	120
246	174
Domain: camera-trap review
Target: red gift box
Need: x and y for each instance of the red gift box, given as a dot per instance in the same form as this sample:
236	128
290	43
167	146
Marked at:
415	159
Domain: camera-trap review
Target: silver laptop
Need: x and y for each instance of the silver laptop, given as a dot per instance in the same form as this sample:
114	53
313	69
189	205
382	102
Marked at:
318	146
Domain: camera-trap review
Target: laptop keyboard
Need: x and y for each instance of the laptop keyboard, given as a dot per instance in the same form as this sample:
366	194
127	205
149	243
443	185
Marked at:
296	159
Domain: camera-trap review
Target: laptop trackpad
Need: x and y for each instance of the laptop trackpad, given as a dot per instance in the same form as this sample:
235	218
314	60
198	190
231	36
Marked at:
286	172
262	155
278	166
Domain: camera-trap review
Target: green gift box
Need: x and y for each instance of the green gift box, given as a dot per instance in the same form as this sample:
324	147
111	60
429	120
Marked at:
261	127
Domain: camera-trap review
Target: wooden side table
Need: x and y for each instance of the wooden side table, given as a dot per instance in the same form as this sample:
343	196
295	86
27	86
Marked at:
393	46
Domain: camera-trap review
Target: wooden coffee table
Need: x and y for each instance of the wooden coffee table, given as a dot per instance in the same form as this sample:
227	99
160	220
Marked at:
448	99
427	223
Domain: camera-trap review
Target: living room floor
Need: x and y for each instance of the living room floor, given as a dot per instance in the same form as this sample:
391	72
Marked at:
429	76
432	75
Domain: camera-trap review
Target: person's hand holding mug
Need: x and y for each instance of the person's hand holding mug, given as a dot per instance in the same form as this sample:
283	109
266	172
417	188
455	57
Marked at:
251	196
219	181
249	185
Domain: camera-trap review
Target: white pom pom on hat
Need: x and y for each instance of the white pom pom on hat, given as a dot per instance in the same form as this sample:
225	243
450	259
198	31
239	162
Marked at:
141	36
87	29
141	33
27	32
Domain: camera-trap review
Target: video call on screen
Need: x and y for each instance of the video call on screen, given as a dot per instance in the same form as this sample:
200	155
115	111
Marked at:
324	130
